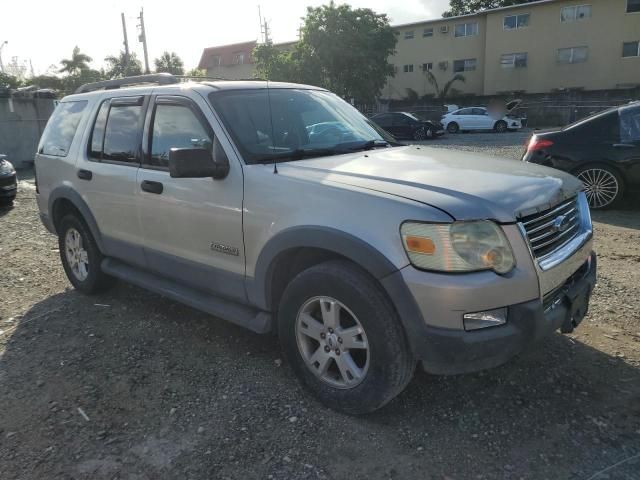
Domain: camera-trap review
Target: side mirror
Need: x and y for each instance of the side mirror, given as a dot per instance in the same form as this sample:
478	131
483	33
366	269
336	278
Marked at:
198	162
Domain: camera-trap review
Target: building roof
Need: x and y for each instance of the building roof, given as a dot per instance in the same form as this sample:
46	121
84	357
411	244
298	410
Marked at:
477	14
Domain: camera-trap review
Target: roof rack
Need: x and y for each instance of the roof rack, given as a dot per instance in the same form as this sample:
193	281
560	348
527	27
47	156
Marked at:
156	78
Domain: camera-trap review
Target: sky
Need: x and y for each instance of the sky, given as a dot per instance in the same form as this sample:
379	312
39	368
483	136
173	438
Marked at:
47	31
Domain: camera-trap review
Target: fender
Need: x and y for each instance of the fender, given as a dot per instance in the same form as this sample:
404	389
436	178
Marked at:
68	193
326	238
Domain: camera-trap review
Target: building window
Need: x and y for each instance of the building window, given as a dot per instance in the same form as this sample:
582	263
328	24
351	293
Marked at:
238	58
215	61
408	68
408	35
514	60
575	12
427	32
427	66
631	49
573	55
466	29
512	22
633	6
466	65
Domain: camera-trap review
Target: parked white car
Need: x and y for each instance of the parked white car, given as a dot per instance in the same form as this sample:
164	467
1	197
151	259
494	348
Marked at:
481	118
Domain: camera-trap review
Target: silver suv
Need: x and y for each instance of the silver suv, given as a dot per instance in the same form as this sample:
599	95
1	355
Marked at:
280	207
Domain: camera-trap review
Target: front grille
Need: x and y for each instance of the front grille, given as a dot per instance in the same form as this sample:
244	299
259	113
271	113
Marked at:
549	230
7	181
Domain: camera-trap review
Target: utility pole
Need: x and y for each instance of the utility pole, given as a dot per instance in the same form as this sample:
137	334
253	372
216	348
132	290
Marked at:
143	38
126	43
264	28
1	64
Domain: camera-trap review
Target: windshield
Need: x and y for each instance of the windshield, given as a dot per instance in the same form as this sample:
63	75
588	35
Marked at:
302	123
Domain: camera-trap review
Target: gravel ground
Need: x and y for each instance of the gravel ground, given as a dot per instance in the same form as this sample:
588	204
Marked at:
128	385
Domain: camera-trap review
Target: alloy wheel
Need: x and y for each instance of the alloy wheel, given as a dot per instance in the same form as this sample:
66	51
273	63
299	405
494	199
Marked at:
332	342
601	187
420	134
76	254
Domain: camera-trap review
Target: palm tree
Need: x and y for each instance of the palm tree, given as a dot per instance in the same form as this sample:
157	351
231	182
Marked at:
170	62
121	66
442	94
78	62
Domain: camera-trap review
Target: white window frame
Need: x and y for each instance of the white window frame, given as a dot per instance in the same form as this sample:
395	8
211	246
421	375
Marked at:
408	68
637	42
571	59
216	60
467	61
513	63
427	32
429	66
575	9
504	19
409	34
466	29
238	58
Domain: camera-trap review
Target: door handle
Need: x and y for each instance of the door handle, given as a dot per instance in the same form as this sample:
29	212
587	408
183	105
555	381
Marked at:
152	187
623	145
85	174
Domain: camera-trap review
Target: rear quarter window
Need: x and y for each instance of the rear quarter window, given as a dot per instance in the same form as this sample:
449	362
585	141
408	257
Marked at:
61	128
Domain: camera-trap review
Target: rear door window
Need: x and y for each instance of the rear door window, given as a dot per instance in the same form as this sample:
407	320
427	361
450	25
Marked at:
61	128
116	133
630	125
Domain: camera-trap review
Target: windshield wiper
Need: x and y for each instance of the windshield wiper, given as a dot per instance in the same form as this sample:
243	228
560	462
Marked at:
300	153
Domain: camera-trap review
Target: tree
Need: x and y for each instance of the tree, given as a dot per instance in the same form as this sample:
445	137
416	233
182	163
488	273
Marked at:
465	7
74	65
447	88
9	81
169	62
119	66
343	49
196	73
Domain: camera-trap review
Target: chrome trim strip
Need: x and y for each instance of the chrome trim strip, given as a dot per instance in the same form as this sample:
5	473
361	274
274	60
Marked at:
552	212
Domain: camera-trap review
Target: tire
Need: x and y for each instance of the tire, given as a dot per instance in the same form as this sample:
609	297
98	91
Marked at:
603	185
379	352
420	134
453	127
501	126
77	248
7	201
430	133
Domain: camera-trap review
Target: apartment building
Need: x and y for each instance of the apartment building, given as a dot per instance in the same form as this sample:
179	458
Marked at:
543	46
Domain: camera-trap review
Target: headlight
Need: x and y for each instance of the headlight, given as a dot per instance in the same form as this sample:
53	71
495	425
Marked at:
6	168
458	246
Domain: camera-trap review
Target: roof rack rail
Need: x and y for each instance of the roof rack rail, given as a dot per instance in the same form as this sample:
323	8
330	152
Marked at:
156	78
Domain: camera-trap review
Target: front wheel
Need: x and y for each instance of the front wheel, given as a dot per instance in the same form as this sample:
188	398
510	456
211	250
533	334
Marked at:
500	126
343	338
602	185
453	127
420	134
80	256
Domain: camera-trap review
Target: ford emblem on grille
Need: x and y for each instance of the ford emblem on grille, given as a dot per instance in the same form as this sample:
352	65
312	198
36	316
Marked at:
561	223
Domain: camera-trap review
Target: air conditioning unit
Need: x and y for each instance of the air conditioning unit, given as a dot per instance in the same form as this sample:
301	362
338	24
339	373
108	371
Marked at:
444	29
443	65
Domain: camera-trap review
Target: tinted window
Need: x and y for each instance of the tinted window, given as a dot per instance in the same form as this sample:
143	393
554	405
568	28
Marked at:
61	129
630	124
97	135
599	127
122	133
176	126
478	111
464	111
383	120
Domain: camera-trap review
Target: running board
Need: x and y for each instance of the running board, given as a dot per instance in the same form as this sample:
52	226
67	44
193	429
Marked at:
247	317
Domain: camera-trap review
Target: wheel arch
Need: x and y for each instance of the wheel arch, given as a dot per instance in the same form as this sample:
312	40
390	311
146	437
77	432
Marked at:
65	199
295	249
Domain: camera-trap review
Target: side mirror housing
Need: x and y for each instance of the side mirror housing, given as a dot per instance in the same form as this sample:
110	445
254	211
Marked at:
198	162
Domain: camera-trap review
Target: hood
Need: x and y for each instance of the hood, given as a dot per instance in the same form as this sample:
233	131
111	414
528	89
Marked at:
467	186
512	105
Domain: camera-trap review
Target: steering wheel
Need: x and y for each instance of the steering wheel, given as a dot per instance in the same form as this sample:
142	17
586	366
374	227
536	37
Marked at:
331	135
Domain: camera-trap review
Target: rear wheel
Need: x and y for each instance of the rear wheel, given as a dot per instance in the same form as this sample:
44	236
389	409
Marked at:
343	338
453	127
420	134
80	256
6	201
603	186
500	126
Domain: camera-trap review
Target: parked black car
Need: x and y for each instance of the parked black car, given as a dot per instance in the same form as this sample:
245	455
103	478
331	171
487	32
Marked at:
407	125
602	150
8	182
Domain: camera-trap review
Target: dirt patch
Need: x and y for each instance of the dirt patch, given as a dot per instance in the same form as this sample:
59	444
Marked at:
168	392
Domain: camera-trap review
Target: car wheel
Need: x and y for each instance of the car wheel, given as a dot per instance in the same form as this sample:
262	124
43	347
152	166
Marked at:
81	257
500	126
430	133
603	186
343	338
419	134
6	202
453	127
